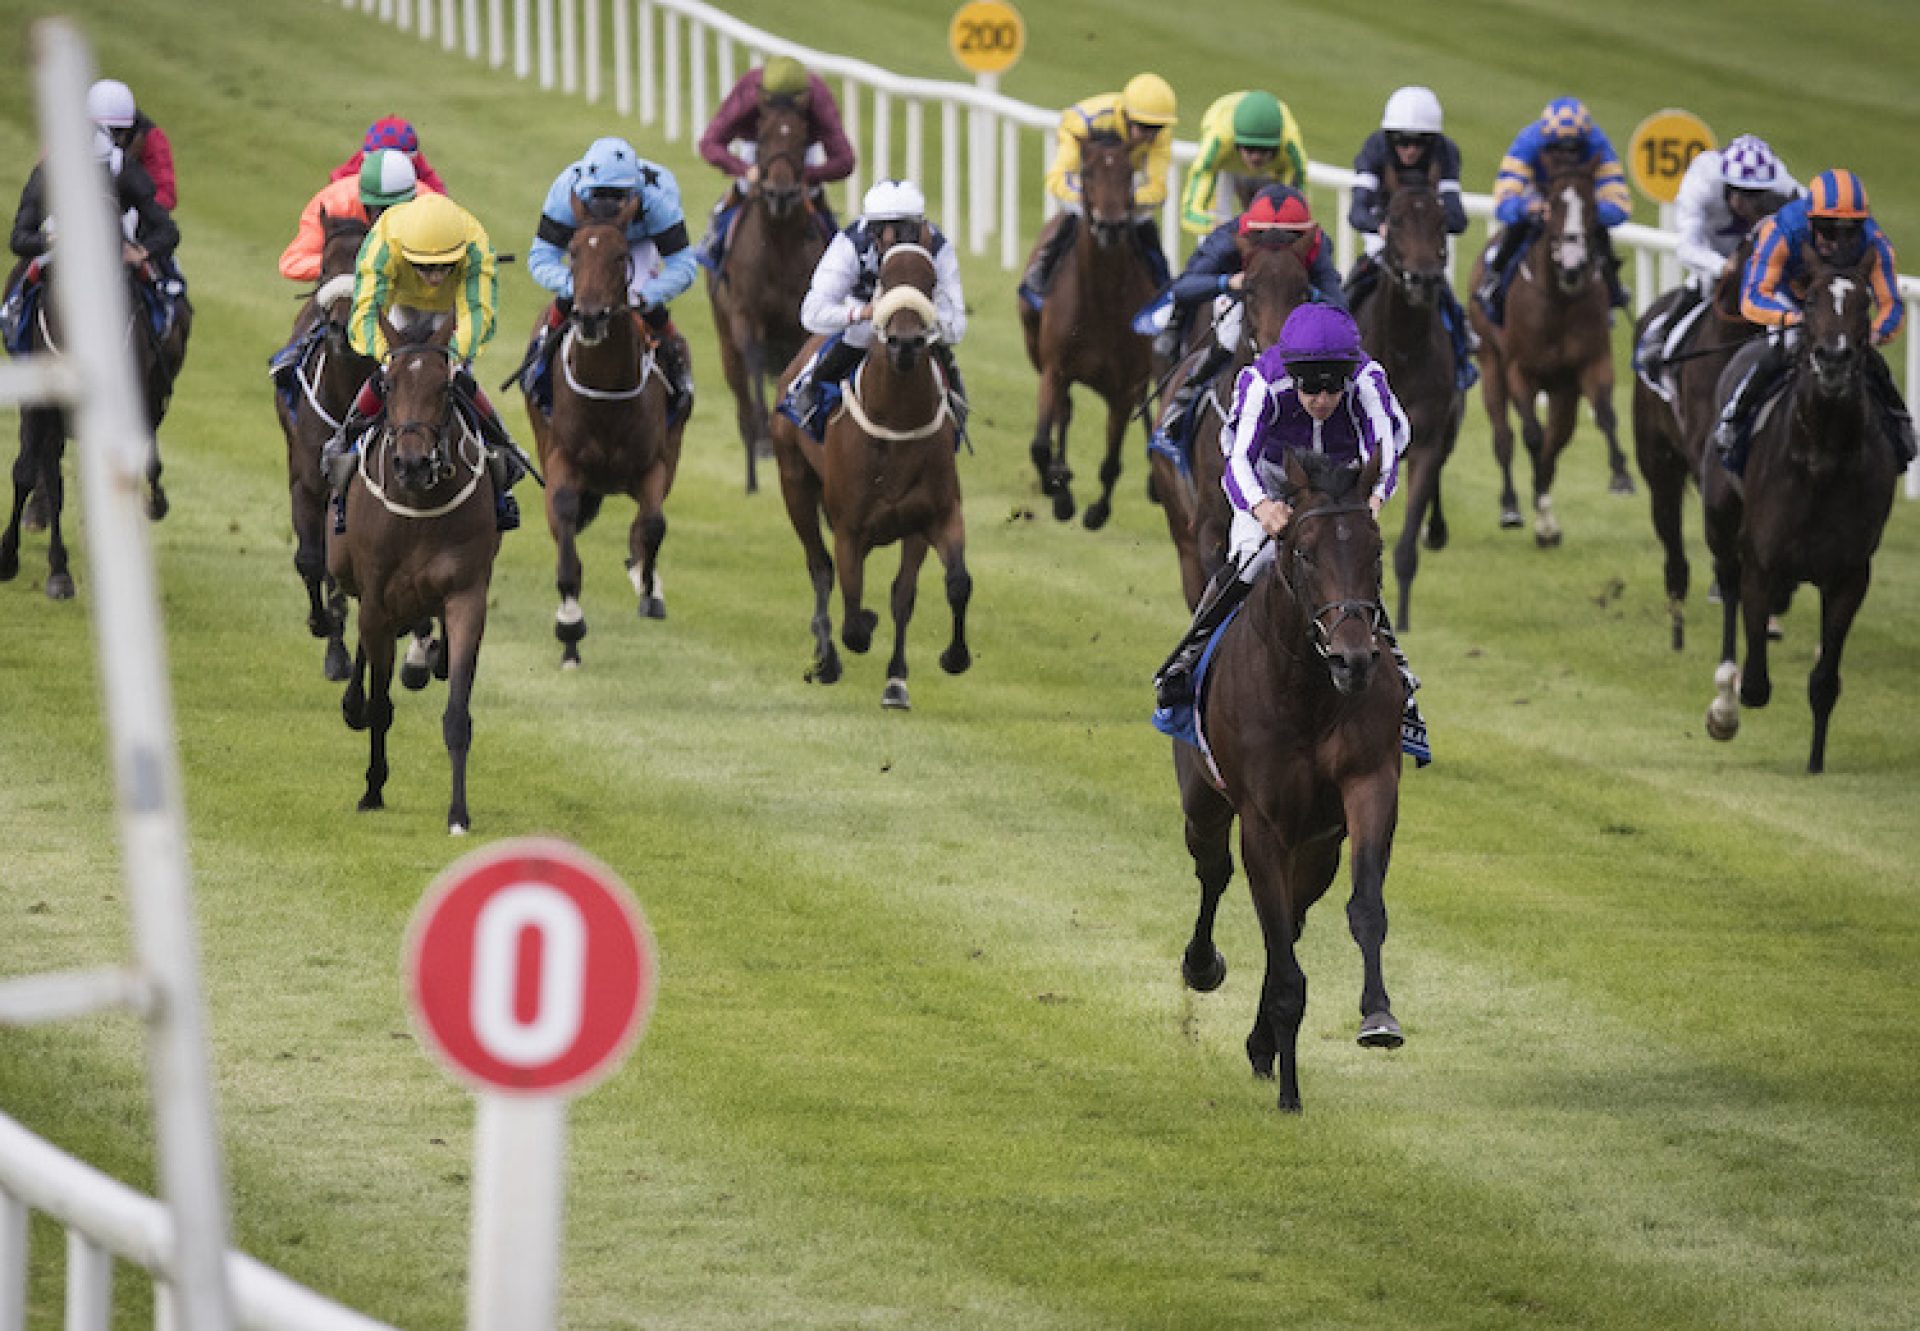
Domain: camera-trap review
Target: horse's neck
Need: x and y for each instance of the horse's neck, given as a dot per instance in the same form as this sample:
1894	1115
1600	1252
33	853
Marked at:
1824	428
1404	325
1277	621
1104	269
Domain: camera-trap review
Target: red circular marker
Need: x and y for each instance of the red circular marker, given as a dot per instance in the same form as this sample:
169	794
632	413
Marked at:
530	969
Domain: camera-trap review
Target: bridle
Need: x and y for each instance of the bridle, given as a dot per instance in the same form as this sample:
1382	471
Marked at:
1371	612
1418	286
441	462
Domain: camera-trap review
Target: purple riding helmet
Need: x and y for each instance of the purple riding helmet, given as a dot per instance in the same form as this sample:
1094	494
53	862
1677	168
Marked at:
1320	335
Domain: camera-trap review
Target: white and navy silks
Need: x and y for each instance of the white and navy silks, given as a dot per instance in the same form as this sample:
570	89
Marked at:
1268	421
1709	231
1376	162
849	273
663	262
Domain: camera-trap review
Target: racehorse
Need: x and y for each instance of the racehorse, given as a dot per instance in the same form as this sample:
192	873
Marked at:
1670	437
609	432
43	430
770	257
1083	333
420	542
1302	719
1819	485
1555	341
327	377
1403	328
884	473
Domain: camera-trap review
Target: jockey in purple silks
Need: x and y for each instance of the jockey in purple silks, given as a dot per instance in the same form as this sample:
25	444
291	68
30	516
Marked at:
1315	390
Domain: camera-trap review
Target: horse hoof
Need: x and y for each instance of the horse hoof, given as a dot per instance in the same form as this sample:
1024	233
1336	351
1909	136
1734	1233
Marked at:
414	677
653	608
157	506
1288	1104
955	660
1381	1031
1262	1065
857	632
1547	540
825	669
570	657
371	801
1723	714
456	829
895	695
1063	505
59	587
337	665
1509	518
1437	536
9	566
1621	484
1204	981
1096	516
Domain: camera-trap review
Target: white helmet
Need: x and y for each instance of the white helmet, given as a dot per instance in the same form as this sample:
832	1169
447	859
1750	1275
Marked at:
1412	110
894	200
1748	163
110	103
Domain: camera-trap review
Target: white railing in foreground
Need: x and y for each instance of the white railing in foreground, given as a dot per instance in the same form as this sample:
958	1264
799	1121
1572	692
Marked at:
665	72
197	1282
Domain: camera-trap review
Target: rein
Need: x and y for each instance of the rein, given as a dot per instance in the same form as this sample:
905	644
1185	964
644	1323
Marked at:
468	450
1372	612
648	369
856	409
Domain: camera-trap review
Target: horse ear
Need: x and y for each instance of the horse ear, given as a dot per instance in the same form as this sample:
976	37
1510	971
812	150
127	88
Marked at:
1434	173
1296	473
443	335
389	332
1370	474
579	209
628	211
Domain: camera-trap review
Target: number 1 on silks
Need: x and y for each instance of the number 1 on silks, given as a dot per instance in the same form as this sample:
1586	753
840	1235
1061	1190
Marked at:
530	975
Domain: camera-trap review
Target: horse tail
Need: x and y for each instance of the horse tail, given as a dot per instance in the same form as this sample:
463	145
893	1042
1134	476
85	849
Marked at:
589	509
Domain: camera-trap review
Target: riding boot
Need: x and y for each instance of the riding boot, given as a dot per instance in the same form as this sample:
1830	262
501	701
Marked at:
504	457
1413	726
1617	294
834	362
1146	231
669	352
1733	434
1046	259
823	210
957	404
1173	682
1175	426
1453	317
1893	408
340	454
1492	291
713	246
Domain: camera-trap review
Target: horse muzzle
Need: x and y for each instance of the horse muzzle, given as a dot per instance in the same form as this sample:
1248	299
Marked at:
592	326
1833	369
1422	287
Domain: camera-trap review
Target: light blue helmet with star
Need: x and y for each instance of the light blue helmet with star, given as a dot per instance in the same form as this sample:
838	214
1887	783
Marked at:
609	164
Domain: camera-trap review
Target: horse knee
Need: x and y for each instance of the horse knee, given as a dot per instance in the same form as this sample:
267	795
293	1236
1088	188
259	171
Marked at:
310	563
959	586
456	728
566	506
1823	690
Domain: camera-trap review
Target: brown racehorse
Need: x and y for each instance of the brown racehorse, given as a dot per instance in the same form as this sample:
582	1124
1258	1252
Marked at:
1555	341
609	432
326	379
885	473
43	430
770	258
420	543
1819	485
1083	334
1403	329
1303	720
1670	438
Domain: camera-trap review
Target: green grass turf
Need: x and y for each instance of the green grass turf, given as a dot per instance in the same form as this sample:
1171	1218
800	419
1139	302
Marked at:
921	1056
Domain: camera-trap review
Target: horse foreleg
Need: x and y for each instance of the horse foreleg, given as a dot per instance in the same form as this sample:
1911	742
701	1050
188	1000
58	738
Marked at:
1596	385
1209	819
951	544
465	624
754	368
643	544
26	468
377	642
1372	808
856	623
1756	594
1119	413
52	489
1273	1043
906	589
1666	477
1839	602
800	492
745	391
1493	392
1423	485
563	522
156	495
1054	409
1563	407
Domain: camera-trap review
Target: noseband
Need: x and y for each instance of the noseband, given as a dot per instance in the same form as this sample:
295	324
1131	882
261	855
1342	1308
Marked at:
1372	612
440	452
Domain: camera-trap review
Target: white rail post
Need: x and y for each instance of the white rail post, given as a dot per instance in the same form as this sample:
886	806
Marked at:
1345	246
569	46
1170	218
89	1284
1009	194
622	58
643	23
398	12
548	54
882	158
670	73
916	144
722	63
114	440
14	1229
424	23
522	38
850	116
950	170
590	37
496	33
697	103
449	24
1645	288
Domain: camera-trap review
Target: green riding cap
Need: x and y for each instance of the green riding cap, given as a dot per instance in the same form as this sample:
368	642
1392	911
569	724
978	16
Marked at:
783	76
1258	121
386	178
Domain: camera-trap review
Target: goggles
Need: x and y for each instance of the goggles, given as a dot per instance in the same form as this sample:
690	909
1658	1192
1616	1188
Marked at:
1317	379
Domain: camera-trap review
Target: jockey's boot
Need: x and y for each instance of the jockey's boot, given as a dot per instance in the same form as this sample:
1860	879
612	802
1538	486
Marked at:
1617	294
1176	425
670	352
1413	726
823	211
1146	230
340	454
1899	424
1453	316
834	362
503	464
1491	293
1173	682
535	365
713	246
1046	259
957	403
1733	433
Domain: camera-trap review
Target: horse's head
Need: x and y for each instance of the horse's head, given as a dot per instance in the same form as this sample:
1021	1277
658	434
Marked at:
1106	186
1415	256
1572	222
1331	562
1838	316
339	252
781	154
904	319
1275	283
420	415
602	266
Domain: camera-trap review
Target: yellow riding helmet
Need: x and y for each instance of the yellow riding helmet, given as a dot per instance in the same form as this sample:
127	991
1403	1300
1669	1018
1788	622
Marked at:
1148	100
430	229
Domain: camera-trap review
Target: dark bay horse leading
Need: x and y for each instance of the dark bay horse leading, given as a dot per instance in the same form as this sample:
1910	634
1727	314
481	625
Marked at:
770	257
609	432
1819	485
324	381
420	543
885	473
43	430
1083	334
1403	327
1670	437
1303	720
1555	341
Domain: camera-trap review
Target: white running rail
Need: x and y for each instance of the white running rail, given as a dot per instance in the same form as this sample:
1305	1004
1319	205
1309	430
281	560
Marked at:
673	60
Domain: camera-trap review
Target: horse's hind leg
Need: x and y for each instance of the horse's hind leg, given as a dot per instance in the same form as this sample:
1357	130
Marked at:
1596	385
1666	476
378	644
1119	414
157	504
52	487
466	622
1052	416
26	468
643	544
1273	1043
856	623
906	589
324	616
1839	602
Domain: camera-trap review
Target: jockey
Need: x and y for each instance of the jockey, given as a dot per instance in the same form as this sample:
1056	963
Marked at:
1835	224
1563	136
602	182
1723	197
110	103
840	300
1143	114
1259	127
1409	145
1279	216
385	178
395	133
1315	390
425	260
829	154
148	240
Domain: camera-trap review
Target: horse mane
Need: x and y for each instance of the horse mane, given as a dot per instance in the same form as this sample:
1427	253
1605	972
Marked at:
1324	476
1105	137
